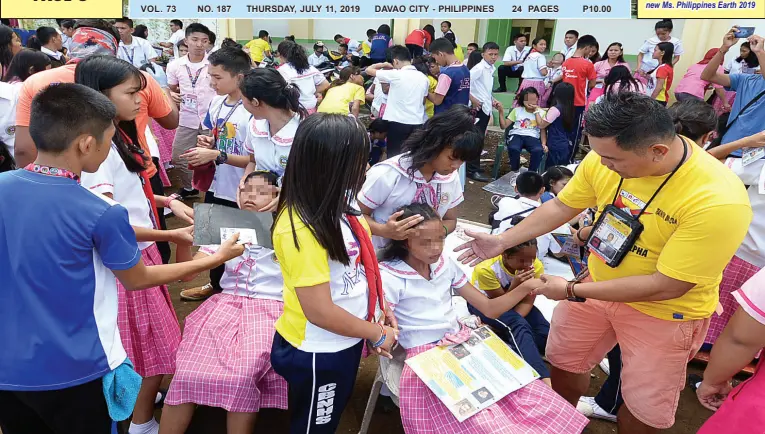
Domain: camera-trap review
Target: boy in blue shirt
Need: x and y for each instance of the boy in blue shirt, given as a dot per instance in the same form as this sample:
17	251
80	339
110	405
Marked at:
454	82
61	247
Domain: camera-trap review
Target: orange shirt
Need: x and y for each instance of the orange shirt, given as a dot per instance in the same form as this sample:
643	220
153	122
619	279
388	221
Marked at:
154	102
668	74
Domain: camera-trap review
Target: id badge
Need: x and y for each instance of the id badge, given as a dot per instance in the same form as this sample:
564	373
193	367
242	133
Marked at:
190	102
613	235
750	155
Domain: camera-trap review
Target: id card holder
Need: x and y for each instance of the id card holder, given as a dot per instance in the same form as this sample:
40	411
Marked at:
189	102
613	235
750	155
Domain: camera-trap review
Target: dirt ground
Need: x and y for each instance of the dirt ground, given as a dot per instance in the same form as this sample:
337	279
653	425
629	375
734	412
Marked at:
690	414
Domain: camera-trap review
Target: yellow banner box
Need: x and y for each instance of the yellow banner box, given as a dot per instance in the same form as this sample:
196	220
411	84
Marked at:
60	8
701	9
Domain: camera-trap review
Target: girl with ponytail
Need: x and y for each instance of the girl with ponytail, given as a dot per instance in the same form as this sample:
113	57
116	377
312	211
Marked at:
346	94
276	113
295	69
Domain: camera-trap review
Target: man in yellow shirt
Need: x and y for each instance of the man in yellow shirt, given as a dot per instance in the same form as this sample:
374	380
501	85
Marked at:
655	302
259	48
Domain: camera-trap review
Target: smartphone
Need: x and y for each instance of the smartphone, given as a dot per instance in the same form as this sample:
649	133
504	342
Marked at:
744	32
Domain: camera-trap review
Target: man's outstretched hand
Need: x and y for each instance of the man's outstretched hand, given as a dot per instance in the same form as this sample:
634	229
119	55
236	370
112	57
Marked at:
483	246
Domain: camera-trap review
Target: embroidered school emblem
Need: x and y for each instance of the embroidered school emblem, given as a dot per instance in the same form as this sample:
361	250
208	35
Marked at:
283	161
444	199
11	130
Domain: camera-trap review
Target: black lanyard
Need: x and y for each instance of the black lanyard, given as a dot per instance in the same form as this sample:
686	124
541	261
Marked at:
194	78
642	210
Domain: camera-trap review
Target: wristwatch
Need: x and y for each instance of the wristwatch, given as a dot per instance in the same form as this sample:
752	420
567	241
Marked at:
222	158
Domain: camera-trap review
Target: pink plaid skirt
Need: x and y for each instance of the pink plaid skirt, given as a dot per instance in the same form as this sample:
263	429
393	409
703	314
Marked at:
225	356
148	325
534	409
539	85
735	275
730	96
165	143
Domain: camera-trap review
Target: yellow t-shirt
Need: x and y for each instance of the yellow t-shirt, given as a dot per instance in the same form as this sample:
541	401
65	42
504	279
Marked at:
492	274
429	106
459	53
338	99
257	48
310	266
366	48
692	228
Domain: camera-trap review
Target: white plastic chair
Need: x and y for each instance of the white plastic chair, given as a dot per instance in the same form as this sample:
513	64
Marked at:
388	373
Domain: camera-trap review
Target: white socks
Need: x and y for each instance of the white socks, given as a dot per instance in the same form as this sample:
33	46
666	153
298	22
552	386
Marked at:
150	427
158	398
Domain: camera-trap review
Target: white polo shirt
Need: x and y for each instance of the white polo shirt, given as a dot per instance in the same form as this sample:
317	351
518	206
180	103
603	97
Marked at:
423	308
232	139
9	96
271	152
380	96
568	52
406	97
752	250
175	38
481	82
306	82
139	52
523	207
254	274
113	177
388	187
513	55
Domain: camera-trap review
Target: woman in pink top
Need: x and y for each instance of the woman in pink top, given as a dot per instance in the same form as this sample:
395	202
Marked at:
740	409
692	86
614	57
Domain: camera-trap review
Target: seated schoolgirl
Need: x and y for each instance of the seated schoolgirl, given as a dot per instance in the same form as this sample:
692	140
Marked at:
555	178
418	281
525	133
425	173
523	326
346	94
224	357
559	123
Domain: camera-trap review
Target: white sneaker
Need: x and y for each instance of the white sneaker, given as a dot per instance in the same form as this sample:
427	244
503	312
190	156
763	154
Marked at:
588	407
605	366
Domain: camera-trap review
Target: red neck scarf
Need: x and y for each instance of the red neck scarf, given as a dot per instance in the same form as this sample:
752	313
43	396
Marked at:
371	267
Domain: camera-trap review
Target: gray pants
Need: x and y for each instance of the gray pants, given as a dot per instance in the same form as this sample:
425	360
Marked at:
682	96
185	139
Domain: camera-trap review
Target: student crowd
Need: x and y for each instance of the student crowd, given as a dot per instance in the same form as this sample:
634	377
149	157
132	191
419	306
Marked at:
356	264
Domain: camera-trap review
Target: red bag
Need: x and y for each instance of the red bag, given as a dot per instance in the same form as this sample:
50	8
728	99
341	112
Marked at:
203	175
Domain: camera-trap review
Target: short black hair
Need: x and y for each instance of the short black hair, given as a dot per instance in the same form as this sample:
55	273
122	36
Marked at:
66	24
474	45
45	34
343	46
125	20
572	32
232	60
178	23
378	126
400	53
263	34
529	183
448	23
587	41
635	121
520	35
197	28
339	36
99	24
211	36
62	112
370	33
269	176
442	45
181	43
490	46
515	221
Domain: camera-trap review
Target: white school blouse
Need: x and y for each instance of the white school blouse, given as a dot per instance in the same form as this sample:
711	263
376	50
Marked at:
533	66
752	249
423	308
388	187
126	187
254	274
649	63
271	152
305	81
